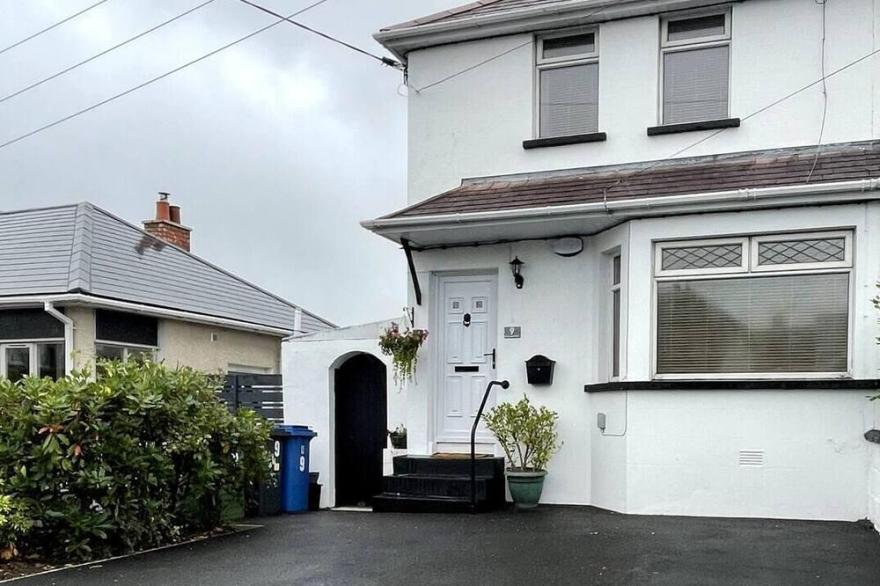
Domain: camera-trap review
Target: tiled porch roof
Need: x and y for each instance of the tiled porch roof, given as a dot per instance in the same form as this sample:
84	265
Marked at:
746	170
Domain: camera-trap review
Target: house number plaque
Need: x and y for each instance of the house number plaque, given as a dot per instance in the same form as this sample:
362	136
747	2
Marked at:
512	331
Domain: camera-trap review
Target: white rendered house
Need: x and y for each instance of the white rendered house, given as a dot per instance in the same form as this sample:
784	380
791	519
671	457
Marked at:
697	213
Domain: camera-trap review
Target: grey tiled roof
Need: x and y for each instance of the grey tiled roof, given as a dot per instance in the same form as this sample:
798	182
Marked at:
753	169
81	248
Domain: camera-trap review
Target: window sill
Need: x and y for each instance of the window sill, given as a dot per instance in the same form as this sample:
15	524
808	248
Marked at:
552	141
838	384
693	126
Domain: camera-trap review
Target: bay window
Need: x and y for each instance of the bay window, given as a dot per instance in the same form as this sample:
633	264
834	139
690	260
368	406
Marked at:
751	306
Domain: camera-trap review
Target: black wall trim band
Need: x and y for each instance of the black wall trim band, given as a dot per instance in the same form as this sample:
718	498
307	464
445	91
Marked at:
843	384
132	328
29	324
536	143
694	126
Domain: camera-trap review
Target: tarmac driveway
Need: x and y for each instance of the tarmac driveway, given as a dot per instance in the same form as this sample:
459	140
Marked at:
553	545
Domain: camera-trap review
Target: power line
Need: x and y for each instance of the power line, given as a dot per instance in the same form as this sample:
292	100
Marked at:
493	58
154	79
50	27
472	67
783	99
384	60
824	5
102	53
772	104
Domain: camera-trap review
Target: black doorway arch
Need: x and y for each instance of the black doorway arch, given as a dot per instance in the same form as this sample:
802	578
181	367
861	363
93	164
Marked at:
361	429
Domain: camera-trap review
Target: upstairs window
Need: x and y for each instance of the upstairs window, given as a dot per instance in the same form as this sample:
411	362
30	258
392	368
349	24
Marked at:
752	307
568	84
696	68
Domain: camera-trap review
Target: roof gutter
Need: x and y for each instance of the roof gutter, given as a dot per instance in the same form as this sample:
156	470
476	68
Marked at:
739	199
404	39
161	312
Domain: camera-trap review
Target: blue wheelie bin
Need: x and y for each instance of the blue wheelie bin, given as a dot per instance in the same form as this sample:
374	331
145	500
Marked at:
294	467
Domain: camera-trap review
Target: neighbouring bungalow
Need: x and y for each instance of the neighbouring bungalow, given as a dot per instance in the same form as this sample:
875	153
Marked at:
78	283
661	197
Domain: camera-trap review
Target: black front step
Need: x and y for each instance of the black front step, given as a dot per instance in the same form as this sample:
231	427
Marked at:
486	465
441	484
435	485
406	503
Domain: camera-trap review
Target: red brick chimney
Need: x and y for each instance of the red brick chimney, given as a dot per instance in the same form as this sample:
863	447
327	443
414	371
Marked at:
167	224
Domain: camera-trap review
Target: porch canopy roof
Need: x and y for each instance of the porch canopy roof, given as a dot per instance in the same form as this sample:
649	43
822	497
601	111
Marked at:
583	202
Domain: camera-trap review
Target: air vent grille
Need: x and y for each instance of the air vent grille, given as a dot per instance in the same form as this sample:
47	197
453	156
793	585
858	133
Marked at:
751	458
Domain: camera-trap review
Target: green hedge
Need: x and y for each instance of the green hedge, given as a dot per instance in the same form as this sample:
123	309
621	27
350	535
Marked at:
137	458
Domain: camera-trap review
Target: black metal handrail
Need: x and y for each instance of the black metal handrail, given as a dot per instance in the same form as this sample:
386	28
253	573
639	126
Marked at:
503	384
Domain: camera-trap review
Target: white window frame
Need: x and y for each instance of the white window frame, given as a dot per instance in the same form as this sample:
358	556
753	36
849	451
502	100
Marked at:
845	263
542	64
31	344
612	289
832	267
126	347
667	46
661	246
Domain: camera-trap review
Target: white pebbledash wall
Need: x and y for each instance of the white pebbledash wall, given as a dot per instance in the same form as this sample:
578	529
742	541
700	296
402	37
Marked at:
474	124
308	366
874	473
669	452
662	452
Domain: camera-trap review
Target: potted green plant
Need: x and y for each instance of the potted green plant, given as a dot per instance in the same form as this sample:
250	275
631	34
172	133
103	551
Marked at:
398	437
403	347
528	437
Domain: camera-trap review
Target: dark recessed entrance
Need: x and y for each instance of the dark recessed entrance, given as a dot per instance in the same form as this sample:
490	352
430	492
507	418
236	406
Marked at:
361	427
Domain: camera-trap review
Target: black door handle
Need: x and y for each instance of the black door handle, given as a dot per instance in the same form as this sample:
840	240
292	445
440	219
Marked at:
492	354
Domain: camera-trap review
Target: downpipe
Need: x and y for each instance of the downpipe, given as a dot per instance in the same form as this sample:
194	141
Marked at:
50	308
503	384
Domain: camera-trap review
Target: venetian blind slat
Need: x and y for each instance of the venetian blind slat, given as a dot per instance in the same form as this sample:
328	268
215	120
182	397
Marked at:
792	323
695	85
569	100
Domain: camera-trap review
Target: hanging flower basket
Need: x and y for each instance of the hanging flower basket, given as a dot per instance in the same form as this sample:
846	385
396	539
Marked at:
403	347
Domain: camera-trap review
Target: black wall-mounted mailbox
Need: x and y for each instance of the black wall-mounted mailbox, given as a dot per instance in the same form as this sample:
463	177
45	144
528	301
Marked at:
539	370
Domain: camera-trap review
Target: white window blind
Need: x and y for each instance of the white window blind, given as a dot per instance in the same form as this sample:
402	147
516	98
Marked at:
569	100
695	85
771	324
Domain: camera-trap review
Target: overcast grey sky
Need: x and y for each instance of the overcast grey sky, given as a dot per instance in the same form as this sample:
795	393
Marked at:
275	149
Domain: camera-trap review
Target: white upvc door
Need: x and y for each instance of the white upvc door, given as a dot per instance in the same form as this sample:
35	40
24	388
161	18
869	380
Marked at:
467	355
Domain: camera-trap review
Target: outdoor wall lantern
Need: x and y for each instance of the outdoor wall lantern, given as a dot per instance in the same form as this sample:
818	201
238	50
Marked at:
516	268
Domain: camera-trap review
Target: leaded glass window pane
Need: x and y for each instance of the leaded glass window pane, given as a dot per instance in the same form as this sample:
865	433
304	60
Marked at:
702	257
787	252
